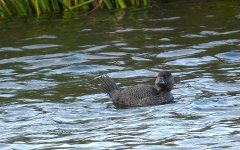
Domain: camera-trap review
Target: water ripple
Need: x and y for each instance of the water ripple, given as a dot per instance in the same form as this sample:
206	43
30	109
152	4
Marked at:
181	52
43	37
27	85
96	48
166	19
192	61
82	69
218	33
163	46
132	74
40	46
217	43
49	96
145	29
230	56
3	49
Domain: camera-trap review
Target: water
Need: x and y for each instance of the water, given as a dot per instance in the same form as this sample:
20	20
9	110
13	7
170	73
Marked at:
49	98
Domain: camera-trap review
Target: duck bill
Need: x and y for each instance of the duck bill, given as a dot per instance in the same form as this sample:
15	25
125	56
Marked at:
160	82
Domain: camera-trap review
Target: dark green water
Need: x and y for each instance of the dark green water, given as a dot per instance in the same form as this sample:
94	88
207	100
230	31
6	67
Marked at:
49	98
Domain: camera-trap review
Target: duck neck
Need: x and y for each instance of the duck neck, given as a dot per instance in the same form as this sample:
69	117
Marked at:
161	90
166	90
158	89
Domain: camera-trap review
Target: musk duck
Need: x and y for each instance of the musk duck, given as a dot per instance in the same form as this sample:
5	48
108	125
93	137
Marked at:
139	95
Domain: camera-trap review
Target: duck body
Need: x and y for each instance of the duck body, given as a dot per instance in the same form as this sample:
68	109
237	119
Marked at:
138	95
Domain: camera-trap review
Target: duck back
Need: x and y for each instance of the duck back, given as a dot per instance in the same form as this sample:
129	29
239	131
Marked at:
135	96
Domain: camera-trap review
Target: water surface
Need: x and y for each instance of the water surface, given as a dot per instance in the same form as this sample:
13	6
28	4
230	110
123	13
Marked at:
49	98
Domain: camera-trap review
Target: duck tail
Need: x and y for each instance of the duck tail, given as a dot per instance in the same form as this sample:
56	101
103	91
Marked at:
108	85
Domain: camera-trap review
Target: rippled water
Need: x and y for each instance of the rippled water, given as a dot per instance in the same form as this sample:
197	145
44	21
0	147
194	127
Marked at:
49	98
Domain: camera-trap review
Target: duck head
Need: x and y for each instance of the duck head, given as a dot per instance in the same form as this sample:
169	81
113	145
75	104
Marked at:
164	81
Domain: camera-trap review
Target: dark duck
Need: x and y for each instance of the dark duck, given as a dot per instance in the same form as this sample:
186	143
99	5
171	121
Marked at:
140	95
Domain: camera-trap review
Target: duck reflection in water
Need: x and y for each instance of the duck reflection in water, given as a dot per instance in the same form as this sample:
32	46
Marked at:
140	95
